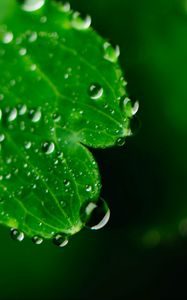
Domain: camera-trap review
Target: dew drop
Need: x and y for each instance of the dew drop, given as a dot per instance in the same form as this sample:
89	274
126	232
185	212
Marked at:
28	145
88	188
32	5
48	147
22	51
22	109
33	37
135	108
120	141
8	37
95	91
2	137
37	240
79	22
95	215
12	115
35	115
111	54
17	235
60	240
56	117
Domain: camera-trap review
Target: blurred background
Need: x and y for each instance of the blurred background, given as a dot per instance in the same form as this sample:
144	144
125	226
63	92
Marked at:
142	252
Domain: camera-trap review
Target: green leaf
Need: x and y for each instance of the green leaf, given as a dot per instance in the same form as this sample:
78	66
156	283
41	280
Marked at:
60	91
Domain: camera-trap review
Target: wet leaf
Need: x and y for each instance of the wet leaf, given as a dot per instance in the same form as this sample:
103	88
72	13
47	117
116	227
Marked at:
61	90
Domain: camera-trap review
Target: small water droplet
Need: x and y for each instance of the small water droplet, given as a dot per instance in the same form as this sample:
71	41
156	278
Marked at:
22	51
2	137
33	37
37	240
111	54
95	91
8	37
17	235
95	215
32	5
60	240
120	141
12	115
48	147
79	22
56	117
35	115
88	188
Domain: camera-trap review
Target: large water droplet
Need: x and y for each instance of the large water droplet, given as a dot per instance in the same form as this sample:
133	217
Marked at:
111	54
17	235
60	240
95	91
79	22
95	215
32	5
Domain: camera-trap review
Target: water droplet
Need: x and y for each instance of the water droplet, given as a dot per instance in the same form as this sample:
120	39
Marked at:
8	37
111	54
88	188
2	137
35	115
32	37
135	108
37	240
60	240
43	19
22	109
95	91
79	22
22	51
66	182
56	117
32	5
12	115
28	145
17	235
65	7
48	147
95	215
126	106
120	141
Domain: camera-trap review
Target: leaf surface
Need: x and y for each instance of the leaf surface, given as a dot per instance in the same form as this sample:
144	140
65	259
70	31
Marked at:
60	91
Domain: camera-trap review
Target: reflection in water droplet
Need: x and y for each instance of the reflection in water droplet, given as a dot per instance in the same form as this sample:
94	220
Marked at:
60	240
32	5
80	23
111	54
95	91
17	235
37	240
95	215
48	147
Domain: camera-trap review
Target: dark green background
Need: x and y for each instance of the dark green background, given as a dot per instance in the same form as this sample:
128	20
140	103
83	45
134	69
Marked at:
141	253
